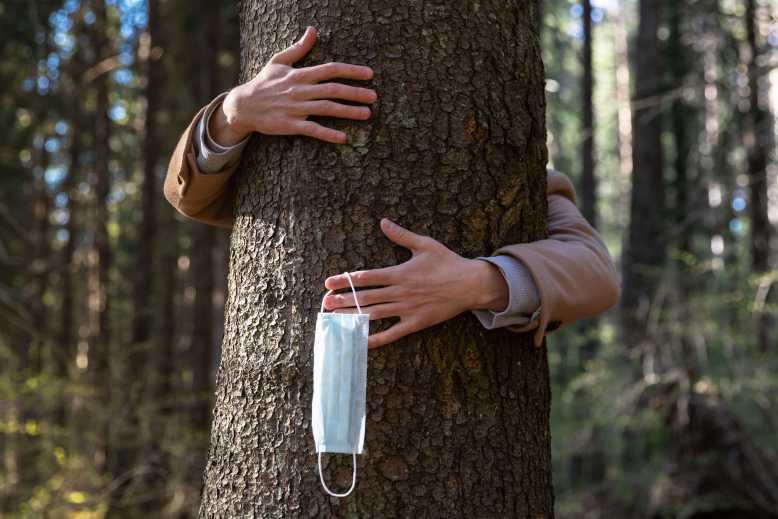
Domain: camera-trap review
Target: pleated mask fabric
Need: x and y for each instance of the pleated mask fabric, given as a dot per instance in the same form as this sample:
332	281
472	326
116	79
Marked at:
340	384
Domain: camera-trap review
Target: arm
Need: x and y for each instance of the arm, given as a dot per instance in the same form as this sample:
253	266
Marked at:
198	195
571	270
278	101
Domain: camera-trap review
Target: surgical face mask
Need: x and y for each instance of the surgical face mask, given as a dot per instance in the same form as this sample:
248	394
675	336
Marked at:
339	384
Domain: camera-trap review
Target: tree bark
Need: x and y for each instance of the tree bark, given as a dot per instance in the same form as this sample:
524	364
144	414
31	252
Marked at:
144	456
144	276
758	142
207	44
757	145
645	248
588	180
457	417
682	120
100	255
588	329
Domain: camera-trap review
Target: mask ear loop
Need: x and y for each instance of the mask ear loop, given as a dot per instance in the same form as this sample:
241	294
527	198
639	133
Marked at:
356	299
353	454
353	478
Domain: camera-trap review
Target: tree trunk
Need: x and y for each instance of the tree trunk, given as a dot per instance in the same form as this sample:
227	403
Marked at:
624	109
143	285
207	44
139	448
758	142
65	352
682	121
588	329
457	417
588	181
645	248
100	255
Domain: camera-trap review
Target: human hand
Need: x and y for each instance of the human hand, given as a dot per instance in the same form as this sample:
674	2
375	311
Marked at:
435	285
279	99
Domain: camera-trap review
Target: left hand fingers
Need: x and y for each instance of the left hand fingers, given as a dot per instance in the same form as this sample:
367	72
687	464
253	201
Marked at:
364	297
376	312
333	109
364	278
327	71
340	91
393	334
396	332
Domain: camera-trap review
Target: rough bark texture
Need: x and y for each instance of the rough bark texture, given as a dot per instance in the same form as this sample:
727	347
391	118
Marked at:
457	417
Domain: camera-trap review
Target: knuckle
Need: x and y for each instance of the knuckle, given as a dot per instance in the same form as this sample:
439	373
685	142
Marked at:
306	128
339	90
411	325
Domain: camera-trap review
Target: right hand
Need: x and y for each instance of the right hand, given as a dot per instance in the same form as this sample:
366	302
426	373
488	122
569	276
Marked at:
280	98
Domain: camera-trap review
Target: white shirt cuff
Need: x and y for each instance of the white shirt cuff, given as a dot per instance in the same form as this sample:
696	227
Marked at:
523	298
212	156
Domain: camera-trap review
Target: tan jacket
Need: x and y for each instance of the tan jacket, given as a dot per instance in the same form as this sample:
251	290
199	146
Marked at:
572	269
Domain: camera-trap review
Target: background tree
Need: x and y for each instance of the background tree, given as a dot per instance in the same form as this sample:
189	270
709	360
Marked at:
588	181
644	256
758	141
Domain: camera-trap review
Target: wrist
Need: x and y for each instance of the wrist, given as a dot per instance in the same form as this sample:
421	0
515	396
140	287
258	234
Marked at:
225	126
486	286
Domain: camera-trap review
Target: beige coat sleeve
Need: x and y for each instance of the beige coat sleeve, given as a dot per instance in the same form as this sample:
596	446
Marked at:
204	197
572	268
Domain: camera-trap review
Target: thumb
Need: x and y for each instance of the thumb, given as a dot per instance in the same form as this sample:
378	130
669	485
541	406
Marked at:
401	236
298	50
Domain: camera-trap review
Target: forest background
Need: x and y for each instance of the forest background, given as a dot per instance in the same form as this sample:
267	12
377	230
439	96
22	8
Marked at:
111	305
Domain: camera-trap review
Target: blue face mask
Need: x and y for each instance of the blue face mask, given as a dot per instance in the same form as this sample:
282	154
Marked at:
339	384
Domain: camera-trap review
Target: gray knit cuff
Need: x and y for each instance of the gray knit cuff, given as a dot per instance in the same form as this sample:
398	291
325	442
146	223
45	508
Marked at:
523	298
212	156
